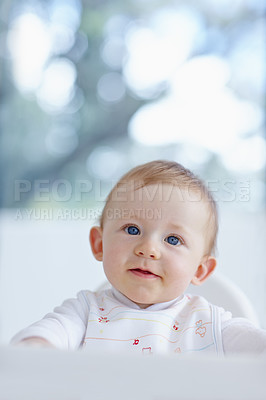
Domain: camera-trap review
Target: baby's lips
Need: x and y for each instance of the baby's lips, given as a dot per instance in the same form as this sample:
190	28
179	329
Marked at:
144	271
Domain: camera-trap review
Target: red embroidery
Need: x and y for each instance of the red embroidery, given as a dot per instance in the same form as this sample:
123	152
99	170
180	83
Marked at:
101	309
175	327
136	341
103	319
146	350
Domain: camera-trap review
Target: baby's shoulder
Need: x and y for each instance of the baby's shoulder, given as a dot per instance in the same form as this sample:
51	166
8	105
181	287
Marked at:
194	300
94	297
200	303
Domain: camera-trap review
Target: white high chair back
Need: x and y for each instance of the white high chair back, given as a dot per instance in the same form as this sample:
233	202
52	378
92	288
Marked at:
222	292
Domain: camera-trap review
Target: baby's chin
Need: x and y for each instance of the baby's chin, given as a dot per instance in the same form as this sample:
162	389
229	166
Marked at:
145	295
139	300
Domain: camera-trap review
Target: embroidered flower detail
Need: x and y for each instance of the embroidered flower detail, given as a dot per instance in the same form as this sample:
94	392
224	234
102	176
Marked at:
178	350
101	309
103	319
136	341
175	326
201	330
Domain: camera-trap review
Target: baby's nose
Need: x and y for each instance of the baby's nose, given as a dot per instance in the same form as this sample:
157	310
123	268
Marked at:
140	253
147	251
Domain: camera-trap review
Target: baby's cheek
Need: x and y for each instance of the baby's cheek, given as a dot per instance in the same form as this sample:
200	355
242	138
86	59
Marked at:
111	255
113	250
181	276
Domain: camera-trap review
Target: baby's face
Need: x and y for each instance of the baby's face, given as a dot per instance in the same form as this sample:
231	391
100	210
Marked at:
154	240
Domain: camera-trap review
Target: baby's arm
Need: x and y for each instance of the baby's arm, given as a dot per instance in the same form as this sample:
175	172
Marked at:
64	328
35	342
241	336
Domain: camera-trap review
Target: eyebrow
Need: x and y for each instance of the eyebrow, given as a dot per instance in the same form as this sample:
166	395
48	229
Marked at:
177	227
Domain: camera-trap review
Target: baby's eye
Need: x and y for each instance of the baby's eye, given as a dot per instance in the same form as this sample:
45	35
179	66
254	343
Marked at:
173	240
132	230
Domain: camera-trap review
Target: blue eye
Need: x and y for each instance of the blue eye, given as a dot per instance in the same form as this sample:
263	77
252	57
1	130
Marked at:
173	240
132	230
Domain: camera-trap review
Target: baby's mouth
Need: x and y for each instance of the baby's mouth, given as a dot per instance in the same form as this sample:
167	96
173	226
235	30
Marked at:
143	273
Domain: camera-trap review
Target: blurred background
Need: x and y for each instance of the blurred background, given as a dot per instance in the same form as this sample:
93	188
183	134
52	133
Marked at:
89	89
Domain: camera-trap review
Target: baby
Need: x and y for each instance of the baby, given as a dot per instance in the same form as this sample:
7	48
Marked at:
157	235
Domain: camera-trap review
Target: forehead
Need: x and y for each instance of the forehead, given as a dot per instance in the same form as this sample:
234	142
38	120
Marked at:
171	202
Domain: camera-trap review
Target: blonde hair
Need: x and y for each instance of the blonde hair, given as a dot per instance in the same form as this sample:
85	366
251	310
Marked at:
170	172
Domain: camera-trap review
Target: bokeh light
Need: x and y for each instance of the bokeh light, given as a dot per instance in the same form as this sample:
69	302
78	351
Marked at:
29	43
105	162
183	80
111	87
57	88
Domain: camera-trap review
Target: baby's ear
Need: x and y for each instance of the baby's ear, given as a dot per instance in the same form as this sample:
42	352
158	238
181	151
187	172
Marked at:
96	242
205	269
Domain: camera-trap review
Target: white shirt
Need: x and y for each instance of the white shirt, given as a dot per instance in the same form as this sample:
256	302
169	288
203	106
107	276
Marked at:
188	323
